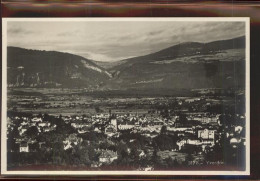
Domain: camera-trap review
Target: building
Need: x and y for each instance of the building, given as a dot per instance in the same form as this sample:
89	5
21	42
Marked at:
97	130
125	126
203	143
110	130
206	134
238	129
71	140
36	119
44	124
22	130
141	154
204	118
24	147
114	123
107	156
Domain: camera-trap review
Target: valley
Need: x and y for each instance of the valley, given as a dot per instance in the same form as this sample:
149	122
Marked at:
181	108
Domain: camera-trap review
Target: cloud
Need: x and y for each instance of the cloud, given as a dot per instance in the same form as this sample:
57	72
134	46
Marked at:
17	30
154	33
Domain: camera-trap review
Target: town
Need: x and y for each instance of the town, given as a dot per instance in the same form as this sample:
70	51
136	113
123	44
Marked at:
149	133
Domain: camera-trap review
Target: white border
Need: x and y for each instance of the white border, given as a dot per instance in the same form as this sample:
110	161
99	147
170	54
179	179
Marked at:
71	173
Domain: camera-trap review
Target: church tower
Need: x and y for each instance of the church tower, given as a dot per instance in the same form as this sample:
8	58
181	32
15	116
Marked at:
114	123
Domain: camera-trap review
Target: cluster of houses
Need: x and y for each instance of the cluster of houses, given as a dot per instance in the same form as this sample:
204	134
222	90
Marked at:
205	133
204	118
205	138
27	123
25	142
107	156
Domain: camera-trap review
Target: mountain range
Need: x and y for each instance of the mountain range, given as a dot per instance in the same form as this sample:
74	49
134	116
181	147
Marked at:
190	65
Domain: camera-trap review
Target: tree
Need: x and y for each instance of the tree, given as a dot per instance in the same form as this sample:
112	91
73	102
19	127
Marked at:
155	158
13	133
163	129
124	159
80	155
188	159
11	145
165	142
171	163
165	113
98	110
134	155
32	132
15	109
183	119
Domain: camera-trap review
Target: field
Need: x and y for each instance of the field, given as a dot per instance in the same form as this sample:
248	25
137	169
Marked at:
78	101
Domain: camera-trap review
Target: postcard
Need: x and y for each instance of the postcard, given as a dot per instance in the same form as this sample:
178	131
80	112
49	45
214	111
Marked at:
125	96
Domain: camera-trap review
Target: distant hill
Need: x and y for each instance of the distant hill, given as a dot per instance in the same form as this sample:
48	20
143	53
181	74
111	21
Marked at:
107	65
186	49
34	68
219	64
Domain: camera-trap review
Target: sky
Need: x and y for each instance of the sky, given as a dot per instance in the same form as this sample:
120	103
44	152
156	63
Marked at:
110	41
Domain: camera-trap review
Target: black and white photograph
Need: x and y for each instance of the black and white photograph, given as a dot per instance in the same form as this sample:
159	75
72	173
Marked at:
125	96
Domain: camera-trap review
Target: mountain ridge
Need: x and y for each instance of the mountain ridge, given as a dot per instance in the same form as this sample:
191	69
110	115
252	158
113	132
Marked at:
218	64
238	42
189	65
51	68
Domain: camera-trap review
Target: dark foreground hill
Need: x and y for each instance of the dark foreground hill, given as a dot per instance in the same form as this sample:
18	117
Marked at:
34	68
